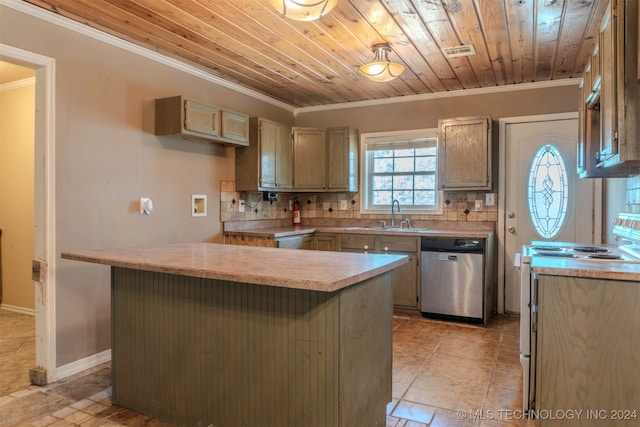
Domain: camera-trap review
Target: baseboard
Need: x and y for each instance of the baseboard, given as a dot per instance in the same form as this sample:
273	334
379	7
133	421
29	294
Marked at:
82	364
16	309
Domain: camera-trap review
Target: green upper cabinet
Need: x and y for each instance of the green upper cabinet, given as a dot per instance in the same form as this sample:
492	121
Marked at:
309	159
465	154
620	91
325	159
200	121
265	165
342	155
597	133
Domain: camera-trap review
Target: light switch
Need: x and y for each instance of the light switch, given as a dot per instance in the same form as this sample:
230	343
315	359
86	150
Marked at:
490	199
478	205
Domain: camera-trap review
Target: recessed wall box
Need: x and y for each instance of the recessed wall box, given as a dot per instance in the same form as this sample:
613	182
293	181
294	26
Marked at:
198	205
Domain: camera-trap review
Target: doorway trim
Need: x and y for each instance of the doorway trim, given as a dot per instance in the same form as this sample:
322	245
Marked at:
500	229
44	200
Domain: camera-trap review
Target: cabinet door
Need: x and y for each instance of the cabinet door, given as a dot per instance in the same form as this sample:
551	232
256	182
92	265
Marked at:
342	146
324	242
309	159
284	178
201	118
584	349
464	153
268	141
234	127
608	110
405	282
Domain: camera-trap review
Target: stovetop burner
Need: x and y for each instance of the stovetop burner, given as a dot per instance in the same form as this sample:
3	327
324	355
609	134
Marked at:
603	256
556	253
547	248
591	249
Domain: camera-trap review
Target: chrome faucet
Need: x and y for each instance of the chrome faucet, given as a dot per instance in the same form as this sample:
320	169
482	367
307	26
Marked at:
395	202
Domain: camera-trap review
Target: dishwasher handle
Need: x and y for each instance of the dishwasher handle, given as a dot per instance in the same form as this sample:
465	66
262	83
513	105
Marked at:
447	257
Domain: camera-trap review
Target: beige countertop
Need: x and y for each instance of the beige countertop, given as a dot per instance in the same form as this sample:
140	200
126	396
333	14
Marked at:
292	231
587	269
289	268
274	231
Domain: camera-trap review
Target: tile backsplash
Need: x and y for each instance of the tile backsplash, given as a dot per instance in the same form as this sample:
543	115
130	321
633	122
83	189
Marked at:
458	206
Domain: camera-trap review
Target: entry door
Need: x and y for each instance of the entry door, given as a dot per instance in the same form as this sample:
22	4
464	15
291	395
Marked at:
523	140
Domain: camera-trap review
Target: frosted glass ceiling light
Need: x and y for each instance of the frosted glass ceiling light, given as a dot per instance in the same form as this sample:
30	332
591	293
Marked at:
303	10
381	69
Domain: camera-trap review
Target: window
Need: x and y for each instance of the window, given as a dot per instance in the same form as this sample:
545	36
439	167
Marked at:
548	191
400	166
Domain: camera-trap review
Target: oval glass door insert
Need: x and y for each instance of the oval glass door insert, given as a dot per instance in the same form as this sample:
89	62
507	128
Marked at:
548	192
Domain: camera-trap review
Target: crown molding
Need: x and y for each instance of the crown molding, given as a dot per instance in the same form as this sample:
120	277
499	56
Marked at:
439	95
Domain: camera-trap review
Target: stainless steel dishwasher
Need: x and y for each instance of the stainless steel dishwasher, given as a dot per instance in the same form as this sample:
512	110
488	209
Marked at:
452	278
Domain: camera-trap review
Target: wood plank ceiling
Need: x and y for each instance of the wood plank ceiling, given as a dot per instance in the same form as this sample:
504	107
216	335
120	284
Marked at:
316	63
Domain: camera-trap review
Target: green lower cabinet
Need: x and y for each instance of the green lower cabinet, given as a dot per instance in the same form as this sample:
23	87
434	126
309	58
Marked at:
405	282
406	278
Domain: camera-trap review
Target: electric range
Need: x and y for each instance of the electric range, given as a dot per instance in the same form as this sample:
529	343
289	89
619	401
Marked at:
626	230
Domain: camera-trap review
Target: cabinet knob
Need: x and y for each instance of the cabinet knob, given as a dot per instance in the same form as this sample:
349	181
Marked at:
366	247
386	248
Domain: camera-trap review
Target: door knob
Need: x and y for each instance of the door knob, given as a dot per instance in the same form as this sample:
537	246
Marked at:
511	214
511	229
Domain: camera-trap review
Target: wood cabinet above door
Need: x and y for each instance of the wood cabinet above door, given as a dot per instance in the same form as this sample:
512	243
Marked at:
609	141
191	119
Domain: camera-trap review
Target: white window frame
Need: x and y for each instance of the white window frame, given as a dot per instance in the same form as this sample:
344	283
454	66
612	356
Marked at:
403	137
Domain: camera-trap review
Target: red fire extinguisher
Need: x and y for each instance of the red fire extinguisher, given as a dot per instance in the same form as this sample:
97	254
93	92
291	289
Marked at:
296	212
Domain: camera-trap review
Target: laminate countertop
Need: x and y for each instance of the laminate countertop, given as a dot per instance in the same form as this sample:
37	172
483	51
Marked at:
287	268
276	232
610	270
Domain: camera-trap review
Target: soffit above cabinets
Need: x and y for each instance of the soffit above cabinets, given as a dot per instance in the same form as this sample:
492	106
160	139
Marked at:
306	64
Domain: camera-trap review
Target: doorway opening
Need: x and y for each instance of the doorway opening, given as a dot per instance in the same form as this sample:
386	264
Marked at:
565	207
44	248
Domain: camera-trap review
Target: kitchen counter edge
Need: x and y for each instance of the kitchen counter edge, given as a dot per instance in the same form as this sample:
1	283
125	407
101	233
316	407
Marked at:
292	231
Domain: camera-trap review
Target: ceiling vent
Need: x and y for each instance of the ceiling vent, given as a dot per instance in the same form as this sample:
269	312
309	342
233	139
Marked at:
456	51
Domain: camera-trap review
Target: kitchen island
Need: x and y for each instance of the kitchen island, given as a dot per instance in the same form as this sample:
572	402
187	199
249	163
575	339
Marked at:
209	334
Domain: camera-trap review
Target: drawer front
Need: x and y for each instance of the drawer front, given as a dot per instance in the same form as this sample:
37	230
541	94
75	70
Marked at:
357	241
399	243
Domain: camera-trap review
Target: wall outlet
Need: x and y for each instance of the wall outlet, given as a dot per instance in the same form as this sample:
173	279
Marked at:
240	205
490	199
343	205
478	205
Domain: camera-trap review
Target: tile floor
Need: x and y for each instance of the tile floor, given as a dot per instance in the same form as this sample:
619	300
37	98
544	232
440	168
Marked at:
17	350
444	374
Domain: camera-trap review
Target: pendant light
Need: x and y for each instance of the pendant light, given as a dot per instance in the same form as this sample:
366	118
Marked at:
303	10
381	69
